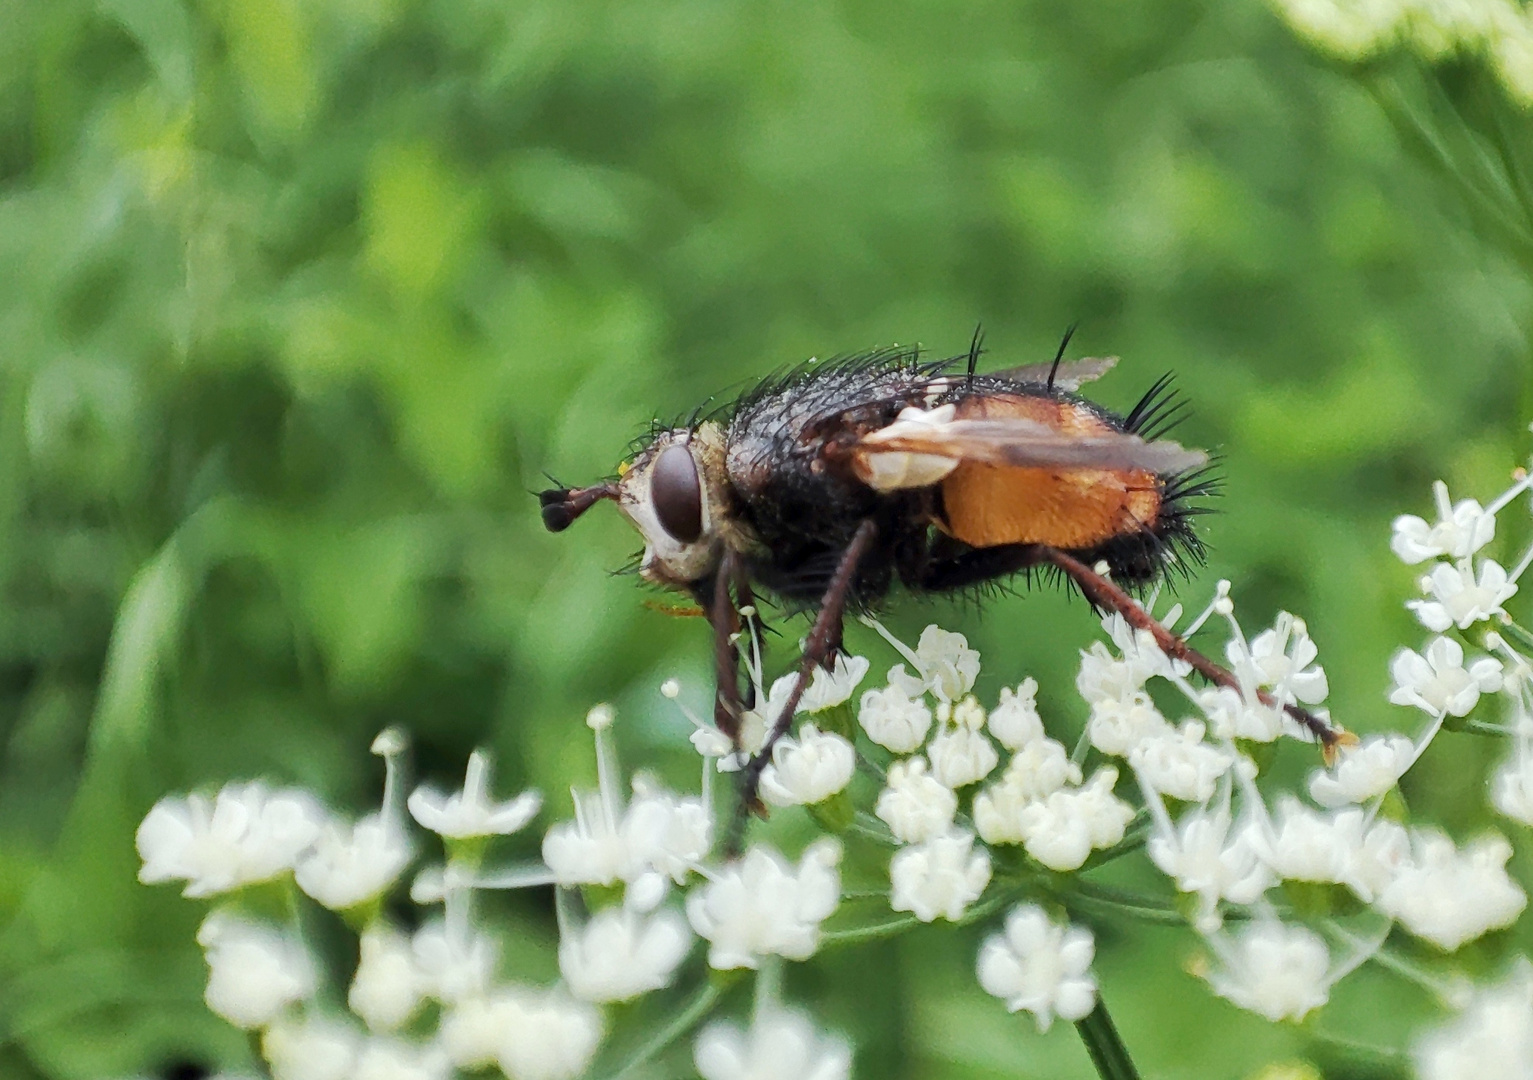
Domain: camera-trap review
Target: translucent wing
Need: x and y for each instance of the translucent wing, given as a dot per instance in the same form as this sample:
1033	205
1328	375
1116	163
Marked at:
1070	376
921	448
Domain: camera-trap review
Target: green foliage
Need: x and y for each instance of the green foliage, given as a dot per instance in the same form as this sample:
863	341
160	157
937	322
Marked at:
298	298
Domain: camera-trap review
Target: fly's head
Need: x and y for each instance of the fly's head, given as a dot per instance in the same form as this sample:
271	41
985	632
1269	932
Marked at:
676	493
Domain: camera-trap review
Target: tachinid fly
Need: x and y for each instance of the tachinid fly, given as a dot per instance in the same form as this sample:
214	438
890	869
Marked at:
824	485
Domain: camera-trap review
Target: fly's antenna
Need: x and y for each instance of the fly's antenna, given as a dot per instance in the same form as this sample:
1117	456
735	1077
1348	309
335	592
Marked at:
1060	355
976	346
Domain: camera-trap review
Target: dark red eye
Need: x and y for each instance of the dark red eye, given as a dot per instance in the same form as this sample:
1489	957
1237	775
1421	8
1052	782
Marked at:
677	493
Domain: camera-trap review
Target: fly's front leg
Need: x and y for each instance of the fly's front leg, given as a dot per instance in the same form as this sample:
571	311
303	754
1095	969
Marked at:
725	619
1102	592
824	638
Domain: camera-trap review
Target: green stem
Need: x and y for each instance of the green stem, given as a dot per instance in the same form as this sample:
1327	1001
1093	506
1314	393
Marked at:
1480	727
1136	837
700	1006
1147	908
856	935
1105	1046
1514	632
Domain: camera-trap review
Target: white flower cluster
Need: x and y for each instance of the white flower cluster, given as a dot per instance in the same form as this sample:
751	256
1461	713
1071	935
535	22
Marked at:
1492	1035
1039	801
264	978
1501	30
1216	837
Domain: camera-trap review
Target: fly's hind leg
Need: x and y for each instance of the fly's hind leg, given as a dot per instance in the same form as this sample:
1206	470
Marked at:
1104	593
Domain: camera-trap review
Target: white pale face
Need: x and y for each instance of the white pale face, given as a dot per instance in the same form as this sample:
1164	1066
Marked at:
677	504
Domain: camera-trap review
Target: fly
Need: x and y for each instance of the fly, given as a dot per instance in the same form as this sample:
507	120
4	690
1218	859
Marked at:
826	484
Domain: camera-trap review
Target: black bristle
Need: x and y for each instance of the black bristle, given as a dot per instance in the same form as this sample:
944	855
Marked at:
1160	410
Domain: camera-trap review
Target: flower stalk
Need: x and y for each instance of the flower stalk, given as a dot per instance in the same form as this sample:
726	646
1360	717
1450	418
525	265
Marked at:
1105	1046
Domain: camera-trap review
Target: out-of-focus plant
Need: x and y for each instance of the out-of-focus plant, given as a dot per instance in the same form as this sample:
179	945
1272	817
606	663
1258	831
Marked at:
926	806
1456	80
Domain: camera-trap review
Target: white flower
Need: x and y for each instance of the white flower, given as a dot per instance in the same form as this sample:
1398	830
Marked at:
1512	788
940	876
1232	716
1361	772
760	905
1459	598
1039	769
1117	725
1180	764
1450	897
998	814
893	719
780	1045
829	689
530	1034
1039	966
1015	721
311	1049
657	832
1438	682
914	805
351	864
453	966
394	1059
471	812
620	954
1279	660
1386	849
1104	677
710	742
591	849
247	833
945	666
386	990
255	971
1309	845
673	832
1460	530
1277	971
1203	858
960	753
1139	650
1061	830
807	769
1491	1037
1035	772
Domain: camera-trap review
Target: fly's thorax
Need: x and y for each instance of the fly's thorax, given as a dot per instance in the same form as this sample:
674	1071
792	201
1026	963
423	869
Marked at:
676	493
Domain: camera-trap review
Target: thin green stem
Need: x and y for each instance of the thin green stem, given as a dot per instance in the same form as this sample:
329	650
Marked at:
1105	1046
1147	908
1481	727
856	935
1136	837
696	1010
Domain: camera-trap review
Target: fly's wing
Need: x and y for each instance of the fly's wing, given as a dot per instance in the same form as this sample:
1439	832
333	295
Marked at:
1070	375
921	448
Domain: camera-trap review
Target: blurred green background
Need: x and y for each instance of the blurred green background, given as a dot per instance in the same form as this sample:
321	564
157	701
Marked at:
300	298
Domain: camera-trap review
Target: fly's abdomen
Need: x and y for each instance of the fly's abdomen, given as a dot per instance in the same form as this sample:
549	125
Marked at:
989	505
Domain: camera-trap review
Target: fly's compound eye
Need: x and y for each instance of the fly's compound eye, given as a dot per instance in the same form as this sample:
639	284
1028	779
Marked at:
677	493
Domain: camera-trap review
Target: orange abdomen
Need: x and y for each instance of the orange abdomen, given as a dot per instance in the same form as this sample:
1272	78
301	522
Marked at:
989	505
